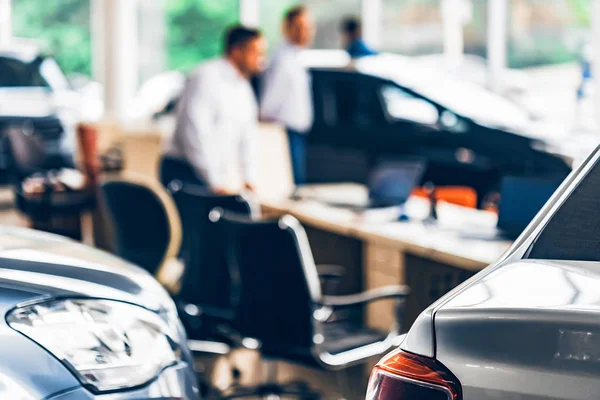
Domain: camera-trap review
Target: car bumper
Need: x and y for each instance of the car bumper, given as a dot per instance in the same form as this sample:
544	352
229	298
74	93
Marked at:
177	382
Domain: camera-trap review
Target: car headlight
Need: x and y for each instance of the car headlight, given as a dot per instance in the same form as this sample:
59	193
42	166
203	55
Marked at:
108	345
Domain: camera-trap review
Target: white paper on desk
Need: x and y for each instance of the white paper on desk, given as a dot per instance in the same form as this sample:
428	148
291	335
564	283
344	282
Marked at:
71	178
380	215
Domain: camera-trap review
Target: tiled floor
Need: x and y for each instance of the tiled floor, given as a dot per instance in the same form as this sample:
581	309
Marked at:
253	371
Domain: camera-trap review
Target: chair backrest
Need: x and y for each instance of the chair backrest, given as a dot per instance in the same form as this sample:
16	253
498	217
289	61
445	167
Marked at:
206	278
172	168
279	283
147	229
27	152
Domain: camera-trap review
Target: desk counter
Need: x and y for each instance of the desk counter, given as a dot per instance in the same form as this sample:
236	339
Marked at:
431	258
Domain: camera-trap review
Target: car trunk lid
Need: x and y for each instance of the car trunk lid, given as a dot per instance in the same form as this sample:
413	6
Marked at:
527	330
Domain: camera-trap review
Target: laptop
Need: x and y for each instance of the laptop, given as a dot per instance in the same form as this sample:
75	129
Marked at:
389	185
521	198
520	201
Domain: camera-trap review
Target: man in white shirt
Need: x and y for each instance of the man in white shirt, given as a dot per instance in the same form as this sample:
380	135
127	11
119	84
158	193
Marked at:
217	115
286	95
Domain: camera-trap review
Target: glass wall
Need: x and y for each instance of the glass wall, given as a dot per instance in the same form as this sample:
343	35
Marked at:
195	30
475	30
412	27
271	15
152	32
328	15
547	31
58	27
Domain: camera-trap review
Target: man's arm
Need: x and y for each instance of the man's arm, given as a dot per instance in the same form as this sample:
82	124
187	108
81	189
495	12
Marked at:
249	152
200	119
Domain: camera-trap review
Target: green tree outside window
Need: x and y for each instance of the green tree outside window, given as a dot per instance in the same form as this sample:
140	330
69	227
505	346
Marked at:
195	30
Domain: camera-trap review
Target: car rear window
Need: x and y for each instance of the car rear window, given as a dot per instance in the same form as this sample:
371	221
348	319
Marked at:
573	232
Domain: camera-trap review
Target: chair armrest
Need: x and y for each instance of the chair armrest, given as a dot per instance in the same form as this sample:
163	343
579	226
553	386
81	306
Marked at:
331	271
382	293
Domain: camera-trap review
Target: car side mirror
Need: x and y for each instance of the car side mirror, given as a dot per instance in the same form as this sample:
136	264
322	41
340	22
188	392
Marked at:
452	122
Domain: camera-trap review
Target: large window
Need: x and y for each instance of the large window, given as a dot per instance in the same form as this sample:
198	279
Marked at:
329	14
195	29
59	27
271	16
412	27
547	31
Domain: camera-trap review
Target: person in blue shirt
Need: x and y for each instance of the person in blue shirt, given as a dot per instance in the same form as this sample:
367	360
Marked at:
352	33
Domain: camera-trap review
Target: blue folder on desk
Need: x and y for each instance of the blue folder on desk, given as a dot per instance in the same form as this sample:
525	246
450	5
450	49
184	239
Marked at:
390	185
521	198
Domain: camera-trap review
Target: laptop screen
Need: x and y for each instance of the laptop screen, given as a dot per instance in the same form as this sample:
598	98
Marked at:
392	182
521	199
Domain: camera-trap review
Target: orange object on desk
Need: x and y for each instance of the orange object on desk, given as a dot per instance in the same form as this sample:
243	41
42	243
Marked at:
459	195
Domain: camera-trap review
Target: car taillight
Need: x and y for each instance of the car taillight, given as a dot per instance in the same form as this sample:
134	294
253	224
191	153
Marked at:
401	376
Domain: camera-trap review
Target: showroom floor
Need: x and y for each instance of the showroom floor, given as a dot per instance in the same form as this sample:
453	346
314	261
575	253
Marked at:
253	371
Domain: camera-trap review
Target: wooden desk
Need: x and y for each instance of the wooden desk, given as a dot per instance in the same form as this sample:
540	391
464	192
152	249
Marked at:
431	258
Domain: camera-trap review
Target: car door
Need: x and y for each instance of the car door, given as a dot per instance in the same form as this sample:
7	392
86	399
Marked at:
427	129
412	121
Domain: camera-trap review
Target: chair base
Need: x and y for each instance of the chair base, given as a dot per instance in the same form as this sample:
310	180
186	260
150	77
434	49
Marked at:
299	390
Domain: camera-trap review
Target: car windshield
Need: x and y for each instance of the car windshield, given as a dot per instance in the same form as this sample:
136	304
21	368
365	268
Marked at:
461	97
15	73
469	100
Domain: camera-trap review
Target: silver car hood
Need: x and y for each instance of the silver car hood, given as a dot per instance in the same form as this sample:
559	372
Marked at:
36	266
46	265
526	330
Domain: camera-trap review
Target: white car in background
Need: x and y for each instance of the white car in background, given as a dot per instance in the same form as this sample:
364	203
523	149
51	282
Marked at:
35	92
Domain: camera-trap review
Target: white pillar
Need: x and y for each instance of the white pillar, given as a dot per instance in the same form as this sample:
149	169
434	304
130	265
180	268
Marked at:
250	13
97	34
452	24
152	46
595	59
372	22
5	22
115	47
497	36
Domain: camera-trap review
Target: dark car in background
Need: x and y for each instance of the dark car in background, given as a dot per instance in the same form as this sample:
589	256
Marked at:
36	95
385	107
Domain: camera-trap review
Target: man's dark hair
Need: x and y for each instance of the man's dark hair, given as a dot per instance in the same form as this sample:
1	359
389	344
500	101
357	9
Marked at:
351	26
239	35
294	13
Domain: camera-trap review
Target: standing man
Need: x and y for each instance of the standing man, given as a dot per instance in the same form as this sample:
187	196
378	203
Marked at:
217	115
287	94
353	42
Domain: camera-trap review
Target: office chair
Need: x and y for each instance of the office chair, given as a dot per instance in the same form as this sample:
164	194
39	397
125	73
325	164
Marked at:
147	228
27	156
281	304
204	298
175	169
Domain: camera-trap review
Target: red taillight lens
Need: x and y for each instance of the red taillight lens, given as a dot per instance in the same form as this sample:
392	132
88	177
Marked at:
401	375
